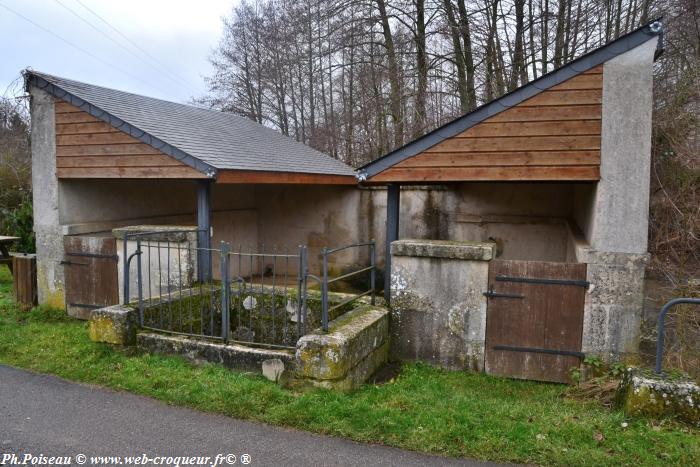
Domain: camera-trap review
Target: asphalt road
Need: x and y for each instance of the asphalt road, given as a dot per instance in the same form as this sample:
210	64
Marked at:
46	415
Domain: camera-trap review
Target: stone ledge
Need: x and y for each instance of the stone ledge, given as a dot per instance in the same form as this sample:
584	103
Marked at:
115	324
448	249
173	233
587	254
352	339
197	350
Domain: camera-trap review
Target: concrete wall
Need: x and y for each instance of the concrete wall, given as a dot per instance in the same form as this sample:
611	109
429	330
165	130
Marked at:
49	239
525	220
438	307
614	213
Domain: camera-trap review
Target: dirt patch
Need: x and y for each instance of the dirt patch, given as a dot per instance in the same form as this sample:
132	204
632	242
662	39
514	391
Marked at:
386	373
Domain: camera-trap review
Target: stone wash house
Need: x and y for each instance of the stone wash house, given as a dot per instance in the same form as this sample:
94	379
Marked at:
513	239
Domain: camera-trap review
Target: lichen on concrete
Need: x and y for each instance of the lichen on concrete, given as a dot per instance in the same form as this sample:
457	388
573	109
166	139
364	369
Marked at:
431	319
655	396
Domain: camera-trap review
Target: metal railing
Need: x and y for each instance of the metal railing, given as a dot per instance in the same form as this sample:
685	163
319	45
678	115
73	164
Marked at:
266	299
255	298
662	327
325	281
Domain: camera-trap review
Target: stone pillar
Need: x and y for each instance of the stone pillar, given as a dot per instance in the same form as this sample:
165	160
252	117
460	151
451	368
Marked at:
620	215
438	307
45	197
616	219
177	249
613	309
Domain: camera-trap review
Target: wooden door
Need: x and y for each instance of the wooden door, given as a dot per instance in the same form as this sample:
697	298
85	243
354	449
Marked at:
90	272
534	321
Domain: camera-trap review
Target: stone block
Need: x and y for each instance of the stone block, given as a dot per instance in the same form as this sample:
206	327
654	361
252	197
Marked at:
650	395
357	375
350	338
614	301
113	325
354	347
475	251
273	369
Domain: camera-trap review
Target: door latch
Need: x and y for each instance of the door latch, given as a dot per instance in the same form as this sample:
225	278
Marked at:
492	294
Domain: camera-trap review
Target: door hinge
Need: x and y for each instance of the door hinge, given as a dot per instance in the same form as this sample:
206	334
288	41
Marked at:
569	353
65	262
531	280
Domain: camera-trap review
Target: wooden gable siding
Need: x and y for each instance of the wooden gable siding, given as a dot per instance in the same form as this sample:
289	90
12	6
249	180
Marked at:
554	135
87	147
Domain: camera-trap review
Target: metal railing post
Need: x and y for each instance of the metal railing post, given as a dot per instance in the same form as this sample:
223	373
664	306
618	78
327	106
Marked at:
373	272
324	292
139	279
125	273
301	292
225	290
662	327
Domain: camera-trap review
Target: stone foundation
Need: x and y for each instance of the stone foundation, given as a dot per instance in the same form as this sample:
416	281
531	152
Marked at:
356	345
238	357
437	302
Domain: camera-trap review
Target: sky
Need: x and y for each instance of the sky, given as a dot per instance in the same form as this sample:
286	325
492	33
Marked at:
163	48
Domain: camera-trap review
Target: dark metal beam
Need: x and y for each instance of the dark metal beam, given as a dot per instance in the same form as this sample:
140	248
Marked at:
393	201
204	230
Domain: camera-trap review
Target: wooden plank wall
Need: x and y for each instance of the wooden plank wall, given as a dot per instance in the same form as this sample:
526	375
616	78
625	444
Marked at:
90	148
24	280
554	135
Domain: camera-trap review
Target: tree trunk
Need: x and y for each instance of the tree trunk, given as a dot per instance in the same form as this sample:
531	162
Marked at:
422	68
395	86
468	54
459	58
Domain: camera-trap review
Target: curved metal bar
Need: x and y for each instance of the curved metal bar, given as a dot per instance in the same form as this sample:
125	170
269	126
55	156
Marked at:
127	272
662	327
341	248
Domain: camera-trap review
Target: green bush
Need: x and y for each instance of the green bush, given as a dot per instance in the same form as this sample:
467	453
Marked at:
15	174
19	222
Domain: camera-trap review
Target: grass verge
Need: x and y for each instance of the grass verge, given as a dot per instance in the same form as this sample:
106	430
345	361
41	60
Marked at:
424	409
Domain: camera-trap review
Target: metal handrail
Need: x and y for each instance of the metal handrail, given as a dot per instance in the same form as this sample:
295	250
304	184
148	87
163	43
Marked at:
662	327
325	281
345	247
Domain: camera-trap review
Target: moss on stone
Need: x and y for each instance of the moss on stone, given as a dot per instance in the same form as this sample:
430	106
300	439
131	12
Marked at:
351	338
645	394
113	325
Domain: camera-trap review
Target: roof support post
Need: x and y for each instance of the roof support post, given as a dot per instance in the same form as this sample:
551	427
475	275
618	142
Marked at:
393	201
204	230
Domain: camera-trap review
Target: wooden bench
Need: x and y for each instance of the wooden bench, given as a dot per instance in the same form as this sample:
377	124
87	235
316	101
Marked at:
5	257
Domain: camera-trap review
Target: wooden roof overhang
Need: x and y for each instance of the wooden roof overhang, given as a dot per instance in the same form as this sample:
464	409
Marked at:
93	144
547	130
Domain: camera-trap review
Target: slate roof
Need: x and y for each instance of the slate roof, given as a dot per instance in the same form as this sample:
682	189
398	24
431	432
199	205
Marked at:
207	140
585	62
